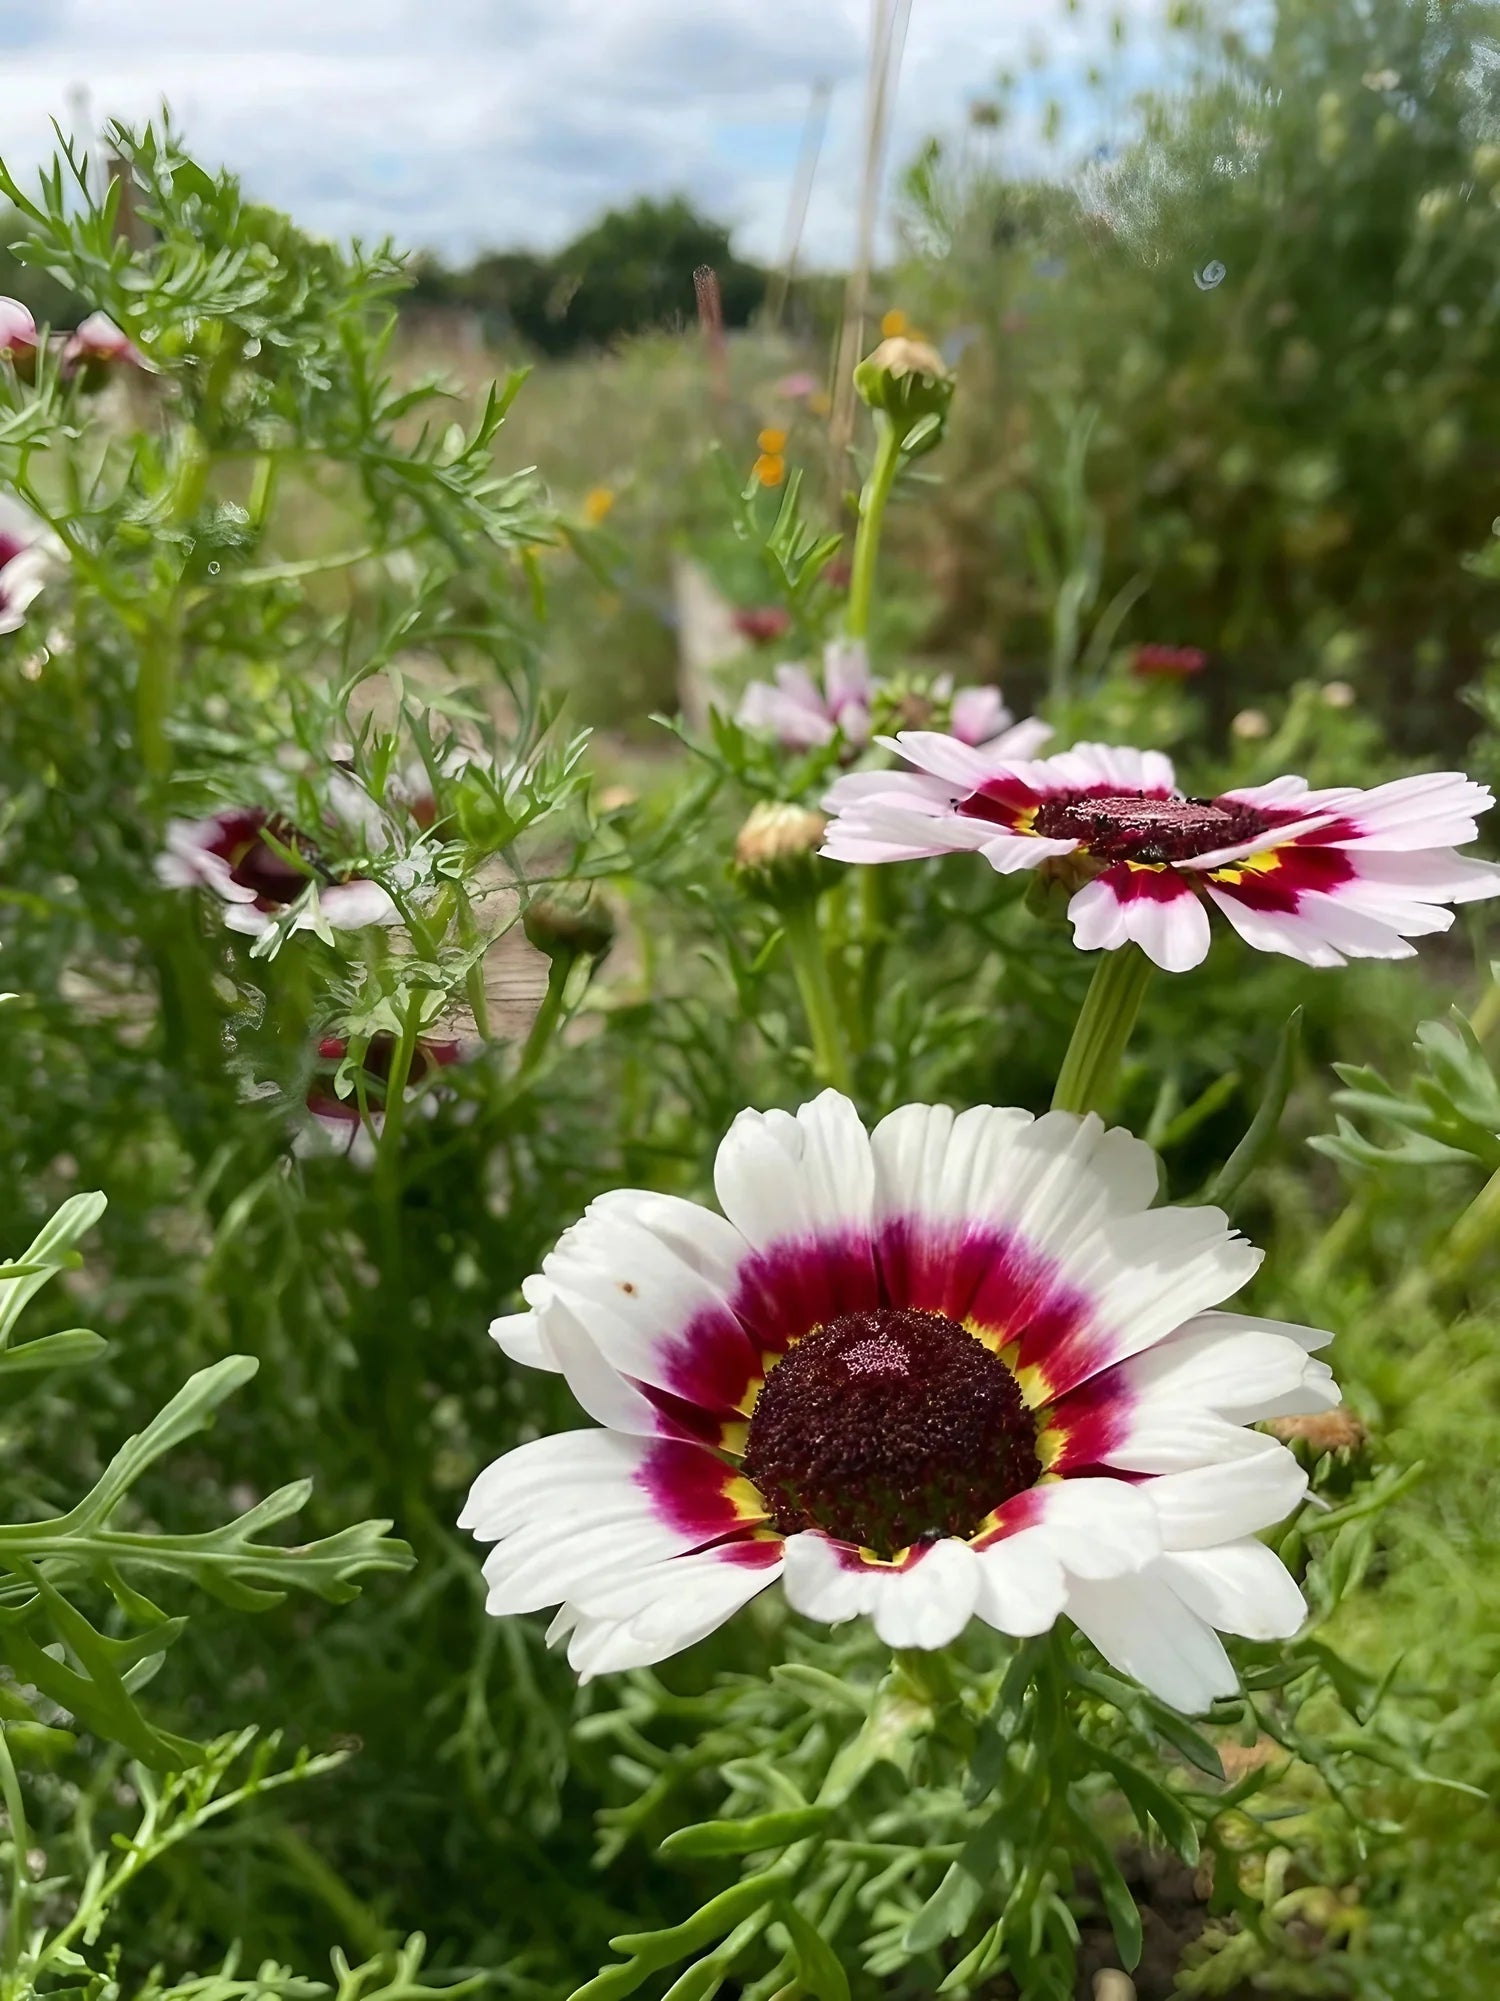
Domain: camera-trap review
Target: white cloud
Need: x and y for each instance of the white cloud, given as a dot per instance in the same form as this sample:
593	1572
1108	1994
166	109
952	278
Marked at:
467	123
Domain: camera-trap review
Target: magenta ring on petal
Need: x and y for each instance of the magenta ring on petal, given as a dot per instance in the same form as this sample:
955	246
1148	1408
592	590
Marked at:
955	1368
1319	876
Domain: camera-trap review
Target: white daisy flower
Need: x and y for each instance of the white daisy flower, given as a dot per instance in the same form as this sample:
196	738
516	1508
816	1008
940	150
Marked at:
228	853
955	1368
1320	876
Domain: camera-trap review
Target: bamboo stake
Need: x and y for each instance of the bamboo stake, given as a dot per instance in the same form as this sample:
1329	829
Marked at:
888	24
814	126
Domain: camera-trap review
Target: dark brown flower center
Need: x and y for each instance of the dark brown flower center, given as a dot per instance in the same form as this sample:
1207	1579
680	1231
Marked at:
889	1428
251	843
1136	827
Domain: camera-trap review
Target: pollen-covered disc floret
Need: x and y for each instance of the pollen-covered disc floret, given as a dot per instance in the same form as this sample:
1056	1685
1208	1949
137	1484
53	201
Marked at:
1321	876
1140	827
890	1428
960	1367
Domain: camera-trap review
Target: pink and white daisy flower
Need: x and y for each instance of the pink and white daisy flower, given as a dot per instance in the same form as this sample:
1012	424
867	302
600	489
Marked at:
803	714
334	1125
1320	876
29	554
228	853
957	1367
18	334
97	342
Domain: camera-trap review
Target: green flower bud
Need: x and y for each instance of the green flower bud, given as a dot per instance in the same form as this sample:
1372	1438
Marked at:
913	385
565	928
776	852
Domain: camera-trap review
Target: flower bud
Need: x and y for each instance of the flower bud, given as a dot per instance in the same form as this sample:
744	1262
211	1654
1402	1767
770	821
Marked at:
1251	725
912	384
776	851
564	928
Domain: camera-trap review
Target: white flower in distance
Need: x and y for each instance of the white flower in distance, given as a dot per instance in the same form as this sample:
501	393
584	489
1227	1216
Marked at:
955	1368
30	553
230	854
1321	876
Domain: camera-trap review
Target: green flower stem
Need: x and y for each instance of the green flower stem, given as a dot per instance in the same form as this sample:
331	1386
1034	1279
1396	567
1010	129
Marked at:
877	491
548	1016
1476	1231
1086	1080
388	1147
13	1934
804	942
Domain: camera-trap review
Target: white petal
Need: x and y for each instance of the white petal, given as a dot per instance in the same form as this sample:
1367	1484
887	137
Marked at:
1238	1587
781	1177
1143	1628
647	1277
1431	875
643	1618
1148	1274
349	906
1172	931
1243	1369
1221	1503
1097	1527
1435	809
1284	931
926	1604
1021	1584
555	1478
599	1387
821	1583
542	1565
520	1336
1115	765
880	832
1168	1437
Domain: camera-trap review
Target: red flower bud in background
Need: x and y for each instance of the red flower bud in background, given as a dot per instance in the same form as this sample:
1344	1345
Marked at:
1168	663
761	623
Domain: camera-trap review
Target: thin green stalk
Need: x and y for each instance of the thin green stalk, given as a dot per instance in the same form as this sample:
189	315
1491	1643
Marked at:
548	1015
14	1933
1086	1081
388	1147
1476	1231
804	942
877	491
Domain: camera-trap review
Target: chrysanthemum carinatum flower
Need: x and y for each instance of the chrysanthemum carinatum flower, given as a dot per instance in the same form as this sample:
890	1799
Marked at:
18	334
96	344
803	714
955	1368
1321	876
230	854
336	1125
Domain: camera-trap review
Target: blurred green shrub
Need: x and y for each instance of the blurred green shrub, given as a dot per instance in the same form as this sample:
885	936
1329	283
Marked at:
631	272
1280	301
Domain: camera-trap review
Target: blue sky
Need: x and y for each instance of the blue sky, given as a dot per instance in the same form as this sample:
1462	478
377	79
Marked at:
462	124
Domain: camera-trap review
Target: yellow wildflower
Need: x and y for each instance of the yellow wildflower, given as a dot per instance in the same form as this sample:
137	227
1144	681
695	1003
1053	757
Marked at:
772	441
597	502
770	468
